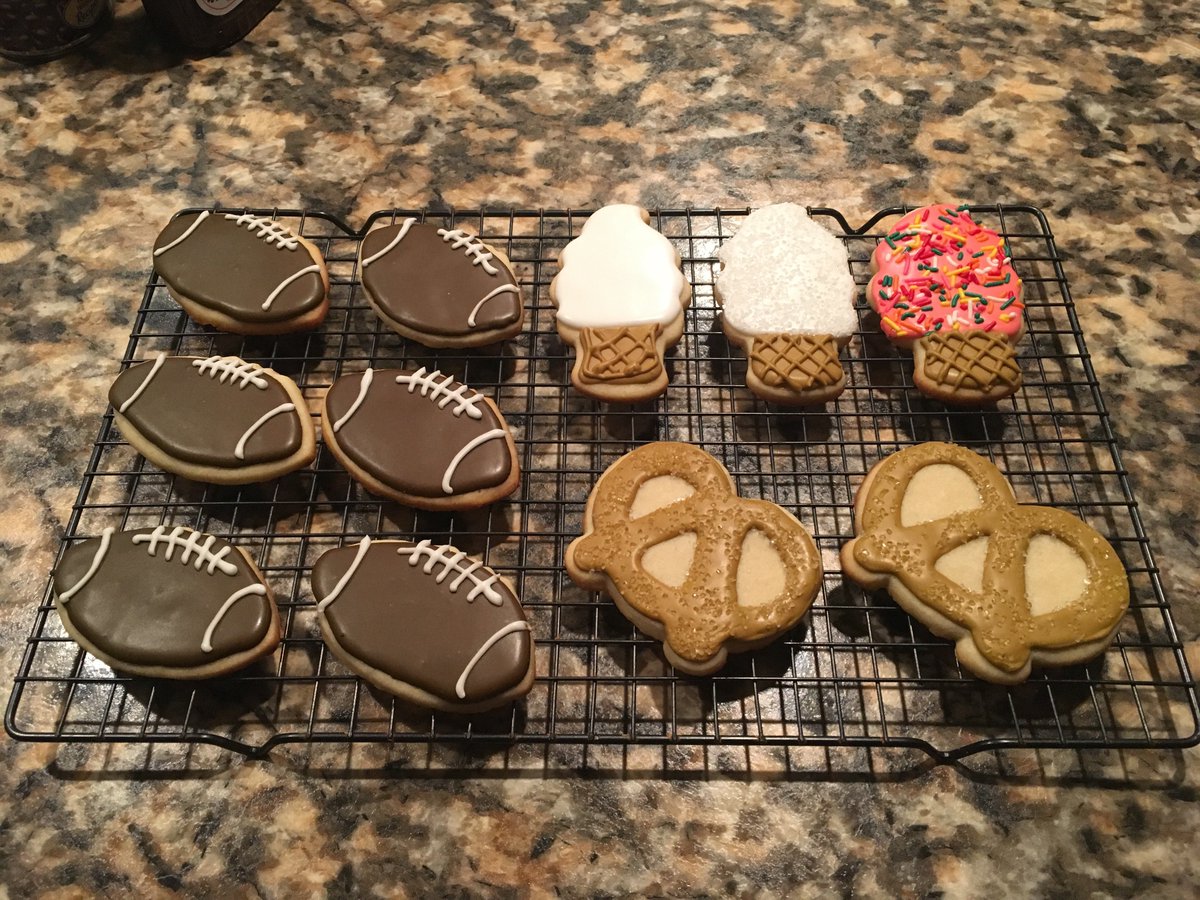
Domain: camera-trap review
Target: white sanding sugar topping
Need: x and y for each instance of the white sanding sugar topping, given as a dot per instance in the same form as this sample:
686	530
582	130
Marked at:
782	272
619	271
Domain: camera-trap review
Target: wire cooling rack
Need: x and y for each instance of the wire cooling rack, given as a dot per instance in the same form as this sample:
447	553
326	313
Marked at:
857	671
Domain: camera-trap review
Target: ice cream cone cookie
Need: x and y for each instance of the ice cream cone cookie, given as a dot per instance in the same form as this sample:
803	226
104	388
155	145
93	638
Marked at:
944	286
1013	586
620	296
788	299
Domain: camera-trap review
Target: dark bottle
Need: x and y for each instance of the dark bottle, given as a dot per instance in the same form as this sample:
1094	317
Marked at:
206	26
37	30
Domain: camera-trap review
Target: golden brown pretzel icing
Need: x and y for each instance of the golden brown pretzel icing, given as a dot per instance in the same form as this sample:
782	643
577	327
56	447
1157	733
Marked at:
998	632
703	612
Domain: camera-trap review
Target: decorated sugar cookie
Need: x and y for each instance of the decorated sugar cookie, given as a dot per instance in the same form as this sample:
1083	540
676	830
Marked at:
945	287
420	438
788	301
219	419
166	602
1013	586
424	622
620	296
442	287
245	274
690	562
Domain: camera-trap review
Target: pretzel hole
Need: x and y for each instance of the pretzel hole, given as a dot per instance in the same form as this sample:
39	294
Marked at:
937	491
964	564
671	560
657	492
761	574
1055	574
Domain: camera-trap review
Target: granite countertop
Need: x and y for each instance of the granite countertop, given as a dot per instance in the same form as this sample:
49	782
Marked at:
1085	109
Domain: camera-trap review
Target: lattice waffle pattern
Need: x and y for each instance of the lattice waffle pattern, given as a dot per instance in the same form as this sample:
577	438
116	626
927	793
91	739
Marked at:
971	361
620	355
803	362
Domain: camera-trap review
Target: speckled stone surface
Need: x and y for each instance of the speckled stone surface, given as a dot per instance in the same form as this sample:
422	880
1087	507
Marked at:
1086	109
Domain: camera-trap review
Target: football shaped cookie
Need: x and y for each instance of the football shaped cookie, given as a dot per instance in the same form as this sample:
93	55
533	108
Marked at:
166	602
425	623
420	438
442	287
245	274
220	420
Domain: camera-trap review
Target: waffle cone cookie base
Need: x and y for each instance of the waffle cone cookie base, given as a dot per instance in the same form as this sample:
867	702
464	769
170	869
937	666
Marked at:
688	561
1013	586
965	368
944	288
792	369
620	296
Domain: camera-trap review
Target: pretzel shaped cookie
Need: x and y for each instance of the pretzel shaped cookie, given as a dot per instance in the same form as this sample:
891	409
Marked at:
1012	585
689	561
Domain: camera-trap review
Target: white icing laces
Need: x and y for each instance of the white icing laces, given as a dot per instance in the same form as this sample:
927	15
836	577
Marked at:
240	450
460	686
232	367
472	245
97	559
450	559
254	590
464	452
269	230
405	225
154	367
433	389
189	541
186	234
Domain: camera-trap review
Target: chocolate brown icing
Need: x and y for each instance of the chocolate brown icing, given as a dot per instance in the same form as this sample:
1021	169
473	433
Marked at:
229	268
407	440
394	617
194	416
153	611
429	286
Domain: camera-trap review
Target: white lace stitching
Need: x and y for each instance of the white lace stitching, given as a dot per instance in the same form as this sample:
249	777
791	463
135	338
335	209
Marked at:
449	558
189	540
270	231
231	367
472	245
433	389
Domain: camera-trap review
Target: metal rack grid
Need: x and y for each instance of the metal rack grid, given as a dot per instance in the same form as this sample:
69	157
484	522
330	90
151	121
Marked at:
856	672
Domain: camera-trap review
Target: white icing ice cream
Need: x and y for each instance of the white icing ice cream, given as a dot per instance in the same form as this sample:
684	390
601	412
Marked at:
619	271
784	273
